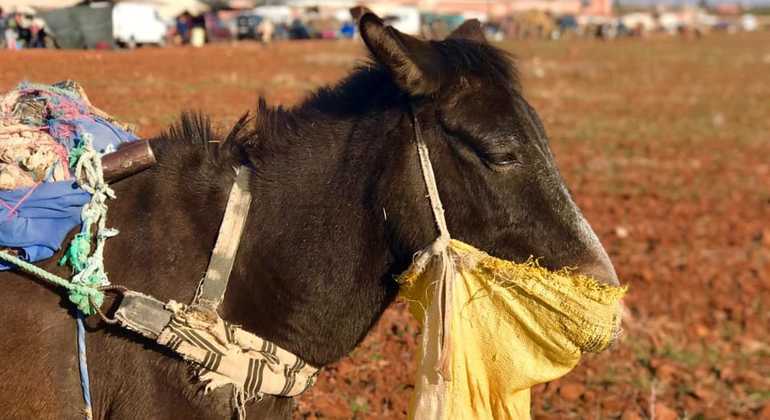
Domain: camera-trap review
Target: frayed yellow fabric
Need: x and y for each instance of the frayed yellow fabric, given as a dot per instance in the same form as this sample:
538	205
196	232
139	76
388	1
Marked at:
498	328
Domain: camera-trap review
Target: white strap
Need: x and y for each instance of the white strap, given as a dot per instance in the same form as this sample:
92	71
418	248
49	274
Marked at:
430	181
444	285
212	289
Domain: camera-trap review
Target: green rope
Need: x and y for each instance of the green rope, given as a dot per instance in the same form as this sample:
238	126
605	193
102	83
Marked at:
77	253
87	267
75	154
78	293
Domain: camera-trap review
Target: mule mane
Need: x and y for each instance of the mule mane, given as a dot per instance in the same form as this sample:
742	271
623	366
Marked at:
370	87
192	142
368	90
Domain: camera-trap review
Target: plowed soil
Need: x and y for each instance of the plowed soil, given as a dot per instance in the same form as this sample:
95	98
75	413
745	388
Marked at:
665	144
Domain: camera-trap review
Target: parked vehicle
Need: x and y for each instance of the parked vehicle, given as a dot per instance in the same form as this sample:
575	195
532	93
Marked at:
276	14
137	24
247	26
749	23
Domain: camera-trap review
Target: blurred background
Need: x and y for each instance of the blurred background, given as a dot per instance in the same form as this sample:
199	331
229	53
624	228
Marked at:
658	113
105	24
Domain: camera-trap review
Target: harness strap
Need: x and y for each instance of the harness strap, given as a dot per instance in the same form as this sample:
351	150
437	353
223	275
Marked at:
143	314
224	353
212	288
438	252
430	180
148	316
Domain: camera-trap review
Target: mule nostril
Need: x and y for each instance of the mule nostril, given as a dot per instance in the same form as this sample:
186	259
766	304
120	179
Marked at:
602	272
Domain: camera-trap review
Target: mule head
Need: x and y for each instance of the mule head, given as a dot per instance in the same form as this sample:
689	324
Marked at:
496	173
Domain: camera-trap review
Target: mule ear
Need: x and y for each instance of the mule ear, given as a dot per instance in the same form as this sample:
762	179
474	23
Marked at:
358	12
415	64
470	30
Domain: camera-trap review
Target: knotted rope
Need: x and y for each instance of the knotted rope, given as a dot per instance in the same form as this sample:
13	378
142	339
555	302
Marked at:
438	249
442	242
71	287
89	269
89	275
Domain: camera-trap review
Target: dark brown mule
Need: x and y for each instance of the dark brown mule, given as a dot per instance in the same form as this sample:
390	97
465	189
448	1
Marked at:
339	209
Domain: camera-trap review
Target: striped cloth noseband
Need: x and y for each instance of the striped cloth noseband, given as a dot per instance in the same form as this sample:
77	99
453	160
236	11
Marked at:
224	353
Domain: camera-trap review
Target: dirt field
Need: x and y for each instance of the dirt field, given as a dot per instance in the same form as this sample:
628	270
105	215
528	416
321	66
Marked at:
665	144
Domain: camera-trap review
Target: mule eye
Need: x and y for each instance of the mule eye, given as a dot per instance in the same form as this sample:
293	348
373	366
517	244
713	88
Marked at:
502	159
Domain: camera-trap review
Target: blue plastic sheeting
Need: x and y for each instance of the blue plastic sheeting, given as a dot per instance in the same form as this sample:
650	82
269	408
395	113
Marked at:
103	132
38	227
43	219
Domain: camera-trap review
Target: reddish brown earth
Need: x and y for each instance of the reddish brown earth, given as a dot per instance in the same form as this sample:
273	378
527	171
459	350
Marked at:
665	144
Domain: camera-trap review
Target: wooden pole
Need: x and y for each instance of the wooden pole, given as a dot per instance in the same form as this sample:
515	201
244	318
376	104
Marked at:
129	159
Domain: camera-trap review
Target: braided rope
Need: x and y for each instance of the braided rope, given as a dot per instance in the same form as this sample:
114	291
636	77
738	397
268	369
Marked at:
89	269
49	277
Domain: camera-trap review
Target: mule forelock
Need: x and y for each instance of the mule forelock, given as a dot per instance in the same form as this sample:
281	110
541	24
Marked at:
470	58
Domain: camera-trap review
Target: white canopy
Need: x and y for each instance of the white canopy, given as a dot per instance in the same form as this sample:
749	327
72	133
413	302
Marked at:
167	8
27	5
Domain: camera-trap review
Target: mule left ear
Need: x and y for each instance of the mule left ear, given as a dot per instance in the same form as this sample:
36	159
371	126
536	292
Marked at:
415	64
358	12
470	30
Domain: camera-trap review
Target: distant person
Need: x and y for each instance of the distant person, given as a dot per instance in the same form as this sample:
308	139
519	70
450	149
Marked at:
183	27
23	30
601	32
298	30
11	36
2	28
198	31
266	30
38	33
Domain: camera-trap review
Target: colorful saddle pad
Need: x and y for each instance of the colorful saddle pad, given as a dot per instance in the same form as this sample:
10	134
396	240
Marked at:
41	131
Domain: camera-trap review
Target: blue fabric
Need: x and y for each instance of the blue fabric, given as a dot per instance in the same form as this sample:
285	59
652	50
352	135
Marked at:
41	223
104	133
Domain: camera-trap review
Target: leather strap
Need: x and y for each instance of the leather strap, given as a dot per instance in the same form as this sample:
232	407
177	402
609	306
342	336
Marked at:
143	314
148	316
212	289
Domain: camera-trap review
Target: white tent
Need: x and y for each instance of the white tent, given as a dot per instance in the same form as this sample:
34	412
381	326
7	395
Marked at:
276	14
169	9
28	5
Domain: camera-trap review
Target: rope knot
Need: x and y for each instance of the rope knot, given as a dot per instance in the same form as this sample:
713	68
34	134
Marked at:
87	262
86	298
